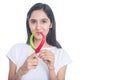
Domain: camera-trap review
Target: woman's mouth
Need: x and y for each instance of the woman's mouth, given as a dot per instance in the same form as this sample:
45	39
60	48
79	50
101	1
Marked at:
38	33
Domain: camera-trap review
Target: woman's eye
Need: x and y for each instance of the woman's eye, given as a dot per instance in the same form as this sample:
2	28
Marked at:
33	21
44	21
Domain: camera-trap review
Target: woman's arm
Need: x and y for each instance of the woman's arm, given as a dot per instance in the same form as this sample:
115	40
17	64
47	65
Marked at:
12	70
60	75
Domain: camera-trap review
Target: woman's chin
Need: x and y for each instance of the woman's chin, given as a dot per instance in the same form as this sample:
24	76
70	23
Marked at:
38	38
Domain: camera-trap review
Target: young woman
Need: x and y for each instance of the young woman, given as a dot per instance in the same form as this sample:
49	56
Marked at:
51	63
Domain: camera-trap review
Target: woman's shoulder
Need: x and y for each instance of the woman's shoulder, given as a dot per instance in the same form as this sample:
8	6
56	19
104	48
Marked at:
59	51
18	48
19	45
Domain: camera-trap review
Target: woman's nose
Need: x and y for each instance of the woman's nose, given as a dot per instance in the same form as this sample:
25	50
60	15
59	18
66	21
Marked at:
38	25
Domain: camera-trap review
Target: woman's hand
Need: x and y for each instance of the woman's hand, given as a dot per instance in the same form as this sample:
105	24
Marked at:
30	63
48	57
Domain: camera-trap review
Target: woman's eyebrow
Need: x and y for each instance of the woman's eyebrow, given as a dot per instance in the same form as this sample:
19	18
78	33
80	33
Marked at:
32	19
44	19
40	19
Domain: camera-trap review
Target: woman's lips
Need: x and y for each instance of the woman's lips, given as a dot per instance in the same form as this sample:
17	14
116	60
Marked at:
38	33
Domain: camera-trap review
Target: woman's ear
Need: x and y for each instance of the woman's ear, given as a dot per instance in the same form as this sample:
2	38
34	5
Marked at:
51	25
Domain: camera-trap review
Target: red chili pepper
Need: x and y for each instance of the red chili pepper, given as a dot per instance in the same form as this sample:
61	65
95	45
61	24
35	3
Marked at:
41	43
37	50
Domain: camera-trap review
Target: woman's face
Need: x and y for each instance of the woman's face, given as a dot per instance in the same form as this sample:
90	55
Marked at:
39	22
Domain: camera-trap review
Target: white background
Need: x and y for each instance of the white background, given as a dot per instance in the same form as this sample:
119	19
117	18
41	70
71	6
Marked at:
89	30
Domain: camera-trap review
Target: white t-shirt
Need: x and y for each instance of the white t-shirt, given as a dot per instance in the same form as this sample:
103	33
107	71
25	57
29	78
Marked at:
19	52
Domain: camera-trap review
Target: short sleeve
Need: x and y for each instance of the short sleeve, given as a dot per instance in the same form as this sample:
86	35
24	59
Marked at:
12	54
62	59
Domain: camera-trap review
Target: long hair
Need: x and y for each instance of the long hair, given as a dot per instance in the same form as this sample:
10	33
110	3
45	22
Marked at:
51	36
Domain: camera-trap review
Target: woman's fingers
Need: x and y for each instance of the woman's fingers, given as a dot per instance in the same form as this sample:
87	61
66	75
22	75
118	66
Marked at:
33	56
47	56
32	61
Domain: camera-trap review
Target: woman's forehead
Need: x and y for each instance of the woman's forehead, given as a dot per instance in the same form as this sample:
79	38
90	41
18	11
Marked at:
39	14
